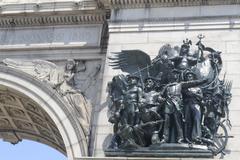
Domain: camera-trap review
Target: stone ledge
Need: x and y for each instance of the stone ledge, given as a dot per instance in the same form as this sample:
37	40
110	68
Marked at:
179	24
164	151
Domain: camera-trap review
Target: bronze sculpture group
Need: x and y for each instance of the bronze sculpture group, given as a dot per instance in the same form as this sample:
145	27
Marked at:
175	98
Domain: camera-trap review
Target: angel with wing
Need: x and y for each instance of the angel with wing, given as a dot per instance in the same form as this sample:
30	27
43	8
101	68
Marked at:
63	82
40	69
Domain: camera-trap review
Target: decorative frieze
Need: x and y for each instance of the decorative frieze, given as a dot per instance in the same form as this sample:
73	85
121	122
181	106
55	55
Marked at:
52	20
51	13
164	3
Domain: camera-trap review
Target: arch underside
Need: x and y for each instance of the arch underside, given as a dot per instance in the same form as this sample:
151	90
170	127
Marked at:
22	118
31	109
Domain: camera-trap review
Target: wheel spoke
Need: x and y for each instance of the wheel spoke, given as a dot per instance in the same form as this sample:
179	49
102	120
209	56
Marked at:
220	138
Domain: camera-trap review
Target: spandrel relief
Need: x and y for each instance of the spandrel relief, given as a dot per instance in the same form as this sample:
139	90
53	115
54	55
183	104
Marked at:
75	80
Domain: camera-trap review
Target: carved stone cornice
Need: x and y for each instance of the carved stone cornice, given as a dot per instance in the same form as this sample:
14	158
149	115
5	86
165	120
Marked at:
51	13
12	21
114	4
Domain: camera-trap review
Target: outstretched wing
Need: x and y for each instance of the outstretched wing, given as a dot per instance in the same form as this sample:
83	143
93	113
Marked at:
40	69
130	61
20	64
45	70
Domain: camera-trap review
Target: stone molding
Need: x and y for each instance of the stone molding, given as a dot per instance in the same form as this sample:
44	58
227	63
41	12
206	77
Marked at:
82	12
52	20
180	19
51	13
203	23
50	6
56	54
117	4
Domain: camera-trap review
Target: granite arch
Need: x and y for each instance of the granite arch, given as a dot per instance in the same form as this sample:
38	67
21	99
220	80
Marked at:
53	104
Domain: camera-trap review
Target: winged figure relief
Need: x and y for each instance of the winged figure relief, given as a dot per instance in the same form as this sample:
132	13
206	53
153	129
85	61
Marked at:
41	69
49	72
62	82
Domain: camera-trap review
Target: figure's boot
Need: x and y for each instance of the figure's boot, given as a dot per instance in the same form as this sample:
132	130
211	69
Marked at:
155	138
180	140
164	139
188	141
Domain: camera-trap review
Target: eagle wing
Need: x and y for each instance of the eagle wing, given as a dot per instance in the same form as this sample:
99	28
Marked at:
131	61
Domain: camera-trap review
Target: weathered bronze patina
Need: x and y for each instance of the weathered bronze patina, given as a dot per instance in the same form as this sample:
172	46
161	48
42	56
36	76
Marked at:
172	106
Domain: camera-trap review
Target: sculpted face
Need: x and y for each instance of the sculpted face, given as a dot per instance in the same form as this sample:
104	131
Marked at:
149	83
174	77
133	81
189	77
184	50
70	65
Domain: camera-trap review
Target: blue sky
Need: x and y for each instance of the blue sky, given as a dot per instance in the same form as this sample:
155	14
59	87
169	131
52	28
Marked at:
28	150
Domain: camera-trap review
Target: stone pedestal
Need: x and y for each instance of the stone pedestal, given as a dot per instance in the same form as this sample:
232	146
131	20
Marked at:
164	150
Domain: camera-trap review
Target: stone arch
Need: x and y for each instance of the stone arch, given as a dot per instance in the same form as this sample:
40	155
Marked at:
51	102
